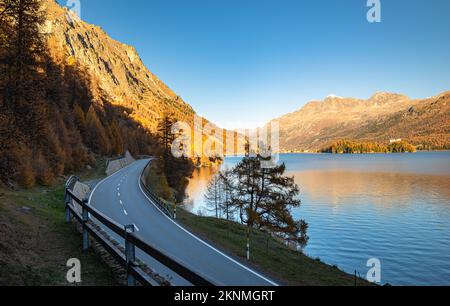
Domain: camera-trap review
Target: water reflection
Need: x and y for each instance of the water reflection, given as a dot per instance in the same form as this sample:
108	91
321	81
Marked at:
389	191
393	207
195	191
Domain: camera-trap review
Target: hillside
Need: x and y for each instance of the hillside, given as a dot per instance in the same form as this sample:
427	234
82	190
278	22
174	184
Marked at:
69	94
384	116
119	75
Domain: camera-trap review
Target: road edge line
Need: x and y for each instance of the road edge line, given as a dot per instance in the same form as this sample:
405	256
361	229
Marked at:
205	243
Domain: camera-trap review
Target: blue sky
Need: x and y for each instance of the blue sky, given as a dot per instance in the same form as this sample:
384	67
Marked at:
244	62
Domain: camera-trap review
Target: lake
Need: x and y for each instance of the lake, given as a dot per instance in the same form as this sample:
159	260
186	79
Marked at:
393	207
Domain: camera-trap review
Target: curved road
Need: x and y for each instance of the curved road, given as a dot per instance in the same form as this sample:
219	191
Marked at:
121	198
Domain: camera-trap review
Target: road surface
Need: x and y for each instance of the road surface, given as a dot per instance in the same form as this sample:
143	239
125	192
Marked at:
121	198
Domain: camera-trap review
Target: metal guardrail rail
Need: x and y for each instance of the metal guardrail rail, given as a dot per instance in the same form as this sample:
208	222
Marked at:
127	260
165	207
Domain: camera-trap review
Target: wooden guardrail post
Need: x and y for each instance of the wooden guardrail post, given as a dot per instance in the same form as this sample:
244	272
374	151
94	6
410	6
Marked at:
130	255
85	230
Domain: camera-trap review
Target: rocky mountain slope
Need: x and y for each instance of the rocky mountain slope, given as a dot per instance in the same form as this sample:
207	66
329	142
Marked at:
118	76
384	116
116	70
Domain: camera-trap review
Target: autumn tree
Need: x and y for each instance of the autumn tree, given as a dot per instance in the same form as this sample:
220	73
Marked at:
23	109
53	117
80	118
176	169
116	138
97	136
264	197
23	62
166	137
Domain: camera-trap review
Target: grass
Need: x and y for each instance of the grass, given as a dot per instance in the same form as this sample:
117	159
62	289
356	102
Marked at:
35	241
158	181
35	244
287	266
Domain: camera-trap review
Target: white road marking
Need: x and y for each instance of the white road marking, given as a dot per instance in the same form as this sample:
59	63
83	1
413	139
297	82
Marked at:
103	180
125	212
120	202
137	228
192	235
203	242
118	194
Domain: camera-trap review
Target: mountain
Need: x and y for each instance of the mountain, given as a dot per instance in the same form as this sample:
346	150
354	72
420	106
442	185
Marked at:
70	94
423	122
120	76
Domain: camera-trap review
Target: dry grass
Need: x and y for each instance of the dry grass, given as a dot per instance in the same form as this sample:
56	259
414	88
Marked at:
35	242
274	258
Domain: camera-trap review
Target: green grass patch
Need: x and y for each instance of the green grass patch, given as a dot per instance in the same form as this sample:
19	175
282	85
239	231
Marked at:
36	242
268	255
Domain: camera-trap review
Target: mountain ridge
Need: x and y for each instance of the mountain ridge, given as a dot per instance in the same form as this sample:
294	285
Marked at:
381	117
120	75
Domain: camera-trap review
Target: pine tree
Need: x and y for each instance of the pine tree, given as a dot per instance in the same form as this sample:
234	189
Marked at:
23	60
165	133
22	107
264	197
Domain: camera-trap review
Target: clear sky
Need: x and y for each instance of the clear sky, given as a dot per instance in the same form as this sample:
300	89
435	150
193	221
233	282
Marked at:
244	62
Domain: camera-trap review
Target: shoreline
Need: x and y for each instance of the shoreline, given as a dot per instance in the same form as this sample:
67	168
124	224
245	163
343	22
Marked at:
320	153
292	268
366	153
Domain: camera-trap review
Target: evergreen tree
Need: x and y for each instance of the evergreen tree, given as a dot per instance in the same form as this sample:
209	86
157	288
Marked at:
176	170
264	197
22	105
165	134
23	61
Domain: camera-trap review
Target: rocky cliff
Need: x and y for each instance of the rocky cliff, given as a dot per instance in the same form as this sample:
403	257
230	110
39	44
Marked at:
117	72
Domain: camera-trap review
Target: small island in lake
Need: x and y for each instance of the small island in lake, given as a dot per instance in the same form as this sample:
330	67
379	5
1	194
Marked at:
355	147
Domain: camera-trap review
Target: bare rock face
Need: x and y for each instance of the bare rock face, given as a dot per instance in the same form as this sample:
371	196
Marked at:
118	73
382	117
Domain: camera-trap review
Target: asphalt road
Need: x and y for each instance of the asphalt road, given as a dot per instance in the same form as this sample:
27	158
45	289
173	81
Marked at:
121	198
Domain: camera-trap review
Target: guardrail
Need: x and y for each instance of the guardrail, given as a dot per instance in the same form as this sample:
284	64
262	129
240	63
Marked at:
71	181
117	163
128	259
169	210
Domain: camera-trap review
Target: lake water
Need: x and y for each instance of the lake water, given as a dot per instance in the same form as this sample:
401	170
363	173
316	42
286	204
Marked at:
395	208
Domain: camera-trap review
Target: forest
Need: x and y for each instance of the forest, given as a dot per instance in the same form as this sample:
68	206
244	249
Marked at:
354	147
53	120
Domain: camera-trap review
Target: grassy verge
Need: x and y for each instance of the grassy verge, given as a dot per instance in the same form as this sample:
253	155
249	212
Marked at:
35	242
267	255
